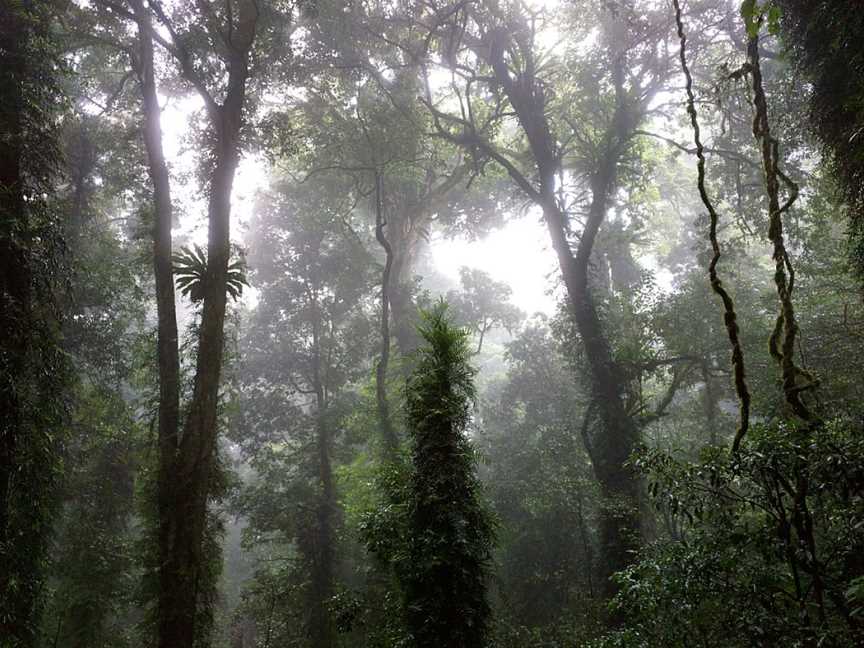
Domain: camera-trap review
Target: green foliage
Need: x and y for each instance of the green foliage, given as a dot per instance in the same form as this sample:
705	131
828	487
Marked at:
768	549
190	270
450	534
483	304
756	13
824	38
308	343
94	558
547	553
34	370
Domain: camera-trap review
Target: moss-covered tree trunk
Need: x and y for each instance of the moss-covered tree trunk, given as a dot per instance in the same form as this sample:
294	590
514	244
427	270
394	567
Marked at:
620	523
168	356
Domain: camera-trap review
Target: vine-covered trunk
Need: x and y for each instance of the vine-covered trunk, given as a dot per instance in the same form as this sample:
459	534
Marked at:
14	261
194	465
32	374
15	312
620	521
405	240
385	423
620	524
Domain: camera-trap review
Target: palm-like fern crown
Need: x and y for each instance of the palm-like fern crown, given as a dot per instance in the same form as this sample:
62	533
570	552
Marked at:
190	268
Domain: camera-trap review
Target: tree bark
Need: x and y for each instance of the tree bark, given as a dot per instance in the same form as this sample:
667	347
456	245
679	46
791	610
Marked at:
15	294
186	461
167	348
323	551
388	434
404	239
709	401
620	519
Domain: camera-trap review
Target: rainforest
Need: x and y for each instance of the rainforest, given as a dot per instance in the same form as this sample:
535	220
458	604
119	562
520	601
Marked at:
431	323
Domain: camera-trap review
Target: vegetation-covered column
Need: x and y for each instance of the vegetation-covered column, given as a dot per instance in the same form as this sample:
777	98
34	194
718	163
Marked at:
186	475
450	533
31	363
198	443
388	433
824	37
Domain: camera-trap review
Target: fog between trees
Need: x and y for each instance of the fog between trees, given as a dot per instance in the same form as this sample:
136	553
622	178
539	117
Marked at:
242	406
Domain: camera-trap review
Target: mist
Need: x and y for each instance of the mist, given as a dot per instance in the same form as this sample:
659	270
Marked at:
431	324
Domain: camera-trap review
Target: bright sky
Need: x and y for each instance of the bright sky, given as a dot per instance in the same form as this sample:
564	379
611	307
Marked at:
518	254
251	174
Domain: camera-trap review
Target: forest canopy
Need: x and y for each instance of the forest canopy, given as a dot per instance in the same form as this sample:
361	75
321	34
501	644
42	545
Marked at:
431	323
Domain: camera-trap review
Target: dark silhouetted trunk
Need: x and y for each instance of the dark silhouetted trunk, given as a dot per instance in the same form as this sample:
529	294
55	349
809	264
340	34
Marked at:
31	365
321	629
167	337
14	260
612	446
620	524
388	434
186	461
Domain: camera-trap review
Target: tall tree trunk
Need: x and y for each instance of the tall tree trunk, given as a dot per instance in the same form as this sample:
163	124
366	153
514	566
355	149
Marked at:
323	550
321	626
195	461
167	336
620	523
186	461
388	434
14	260
619	519
404	239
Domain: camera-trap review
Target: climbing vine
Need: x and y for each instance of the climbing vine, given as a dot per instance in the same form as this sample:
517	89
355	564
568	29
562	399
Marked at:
730	317
781	344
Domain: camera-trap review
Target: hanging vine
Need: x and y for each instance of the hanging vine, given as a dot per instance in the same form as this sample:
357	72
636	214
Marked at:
781	344
730	317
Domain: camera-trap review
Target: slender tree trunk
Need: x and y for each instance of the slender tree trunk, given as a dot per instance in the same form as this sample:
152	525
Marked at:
323	552
186	462
709	401
323	563
167	336
388	434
